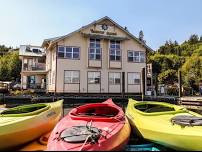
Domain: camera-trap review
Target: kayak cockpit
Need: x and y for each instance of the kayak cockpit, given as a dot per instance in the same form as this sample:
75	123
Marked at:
156	108
97	111
25	110
150	108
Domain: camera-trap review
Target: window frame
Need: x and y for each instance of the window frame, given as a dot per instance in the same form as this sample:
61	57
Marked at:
95	49
72	77
94	77
139	56
133	78
65	52
115	49
114	78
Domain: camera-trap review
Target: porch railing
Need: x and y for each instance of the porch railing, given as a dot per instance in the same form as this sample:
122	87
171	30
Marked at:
36	67
36	86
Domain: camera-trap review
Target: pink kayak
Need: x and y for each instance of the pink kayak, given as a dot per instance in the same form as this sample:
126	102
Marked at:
91	127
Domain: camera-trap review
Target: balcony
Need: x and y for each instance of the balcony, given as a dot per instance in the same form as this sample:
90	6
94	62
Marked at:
36	86
36	67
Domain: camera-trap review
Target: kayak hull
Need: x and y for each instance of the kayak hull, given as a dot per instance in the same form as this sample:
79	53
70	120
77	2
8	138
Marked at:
115	130
22	129
157	127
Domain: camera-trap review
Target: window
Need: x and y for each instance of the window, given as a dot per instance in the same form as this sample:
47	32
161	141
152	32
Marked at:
114	78
36	51
72	77
61	51
149	69
115	51
133	78
94	77
136	56
115	44
28	49
68	52
32	79
94	43
41	60
95	50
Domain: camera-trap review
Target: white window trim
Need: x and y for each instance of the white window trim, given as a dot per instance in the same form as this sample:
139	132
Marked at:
114	78
115	50
71	77
134	77
115	54
72	52
94	76
134	56
94	53
95	49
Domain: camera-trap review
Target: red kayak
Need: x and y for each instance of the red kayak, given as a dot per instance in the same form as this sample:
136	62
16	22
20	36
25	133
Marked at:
91	127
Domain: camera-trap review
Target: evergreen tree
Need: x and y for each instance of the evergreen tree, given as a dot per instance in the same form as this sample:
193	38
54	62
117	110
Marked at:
193	39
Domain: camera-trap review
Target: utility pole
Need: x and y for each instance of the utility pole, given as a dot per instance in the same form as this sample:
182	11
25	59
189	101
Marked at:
180	77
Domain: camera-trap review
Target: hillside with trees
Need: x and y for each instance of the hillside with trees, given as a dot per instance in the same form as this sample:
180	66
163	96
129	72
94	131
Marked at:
10	64
171	57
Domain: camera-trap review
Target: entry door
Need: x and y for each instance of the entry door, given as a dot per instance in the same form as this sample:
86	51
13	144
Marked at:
31	81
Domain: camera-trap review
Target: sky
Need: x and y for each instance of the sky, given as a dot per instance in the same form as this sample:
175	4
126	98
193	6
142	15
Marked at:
32	21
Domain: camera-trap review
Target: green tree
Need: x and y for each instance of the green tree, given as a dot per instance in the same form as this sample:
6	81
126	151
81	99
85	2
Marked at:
193	39
4	49
10	66
192	71
168	48
168	77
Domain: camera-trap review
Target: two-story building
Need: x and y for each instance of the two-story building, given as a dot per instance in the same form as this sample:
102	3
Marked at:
33	73
101	57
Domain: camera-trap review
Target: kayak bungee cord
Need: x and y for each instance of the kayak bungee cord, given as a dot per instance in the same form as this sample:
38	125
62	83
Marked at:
89	134
87	138
186	120
92	135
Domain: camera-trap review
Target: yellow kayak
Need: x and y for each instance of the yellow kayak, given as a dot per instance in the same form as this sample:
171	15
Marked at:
166	124
22	124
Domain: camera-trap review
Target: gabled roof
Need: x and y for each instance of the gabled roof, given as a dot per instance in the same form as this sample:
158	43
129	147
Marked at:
56	39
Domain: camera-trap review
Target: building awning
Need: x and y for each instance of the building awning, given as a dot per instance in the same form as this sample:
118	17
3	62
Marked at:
108	37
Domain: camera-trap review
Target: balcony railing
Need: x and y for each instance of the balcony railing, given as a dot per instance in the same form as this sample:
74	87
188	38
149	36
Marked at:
36	86
36	67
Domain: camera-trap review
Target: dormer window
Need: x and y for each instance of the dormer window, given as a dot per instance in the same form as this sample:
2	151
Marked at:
28	49
36	50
